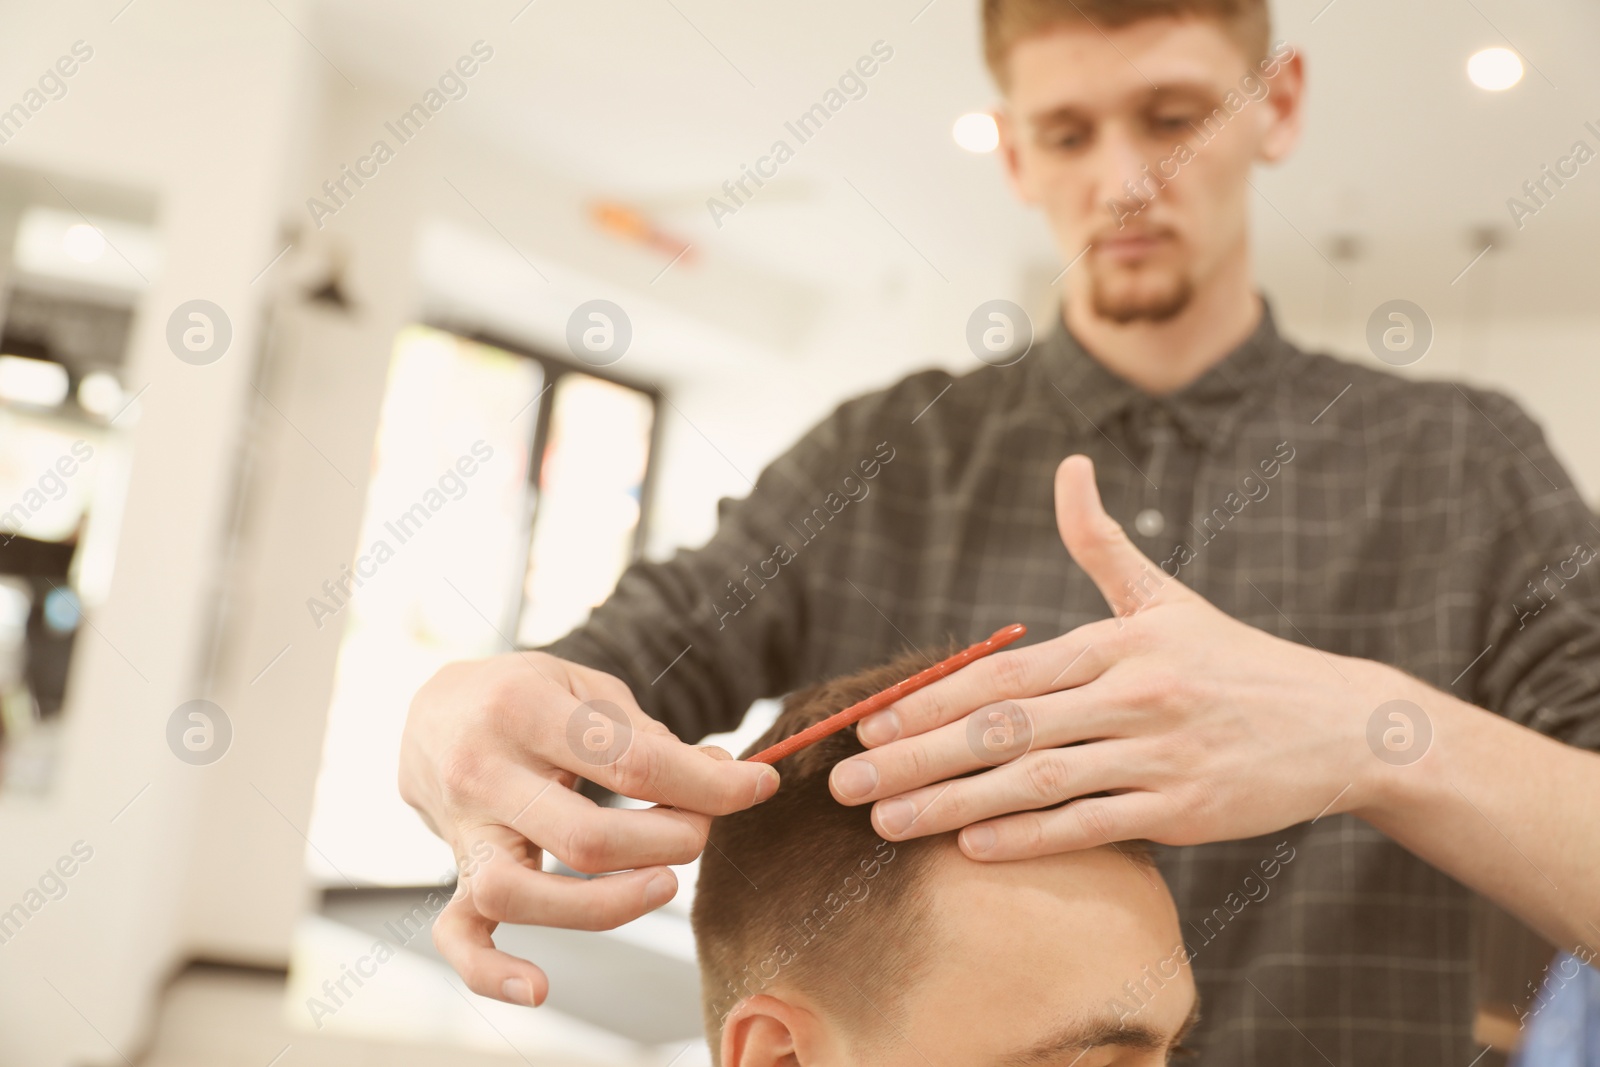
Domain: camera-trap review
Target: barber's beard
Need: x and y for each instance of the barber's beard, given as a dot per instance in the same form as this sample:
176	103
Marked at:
1122	300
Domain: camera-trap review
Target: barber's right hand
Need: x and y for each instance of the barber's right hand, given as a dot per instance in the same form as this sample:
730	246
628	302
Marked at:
490	757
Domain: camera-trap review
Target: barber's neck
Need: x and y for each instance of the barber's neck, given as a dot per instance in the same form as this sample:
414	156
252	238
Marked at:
1163	357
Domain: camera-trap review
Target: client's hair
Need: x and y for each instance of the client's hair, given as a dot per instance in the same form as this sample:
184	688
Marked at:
802	887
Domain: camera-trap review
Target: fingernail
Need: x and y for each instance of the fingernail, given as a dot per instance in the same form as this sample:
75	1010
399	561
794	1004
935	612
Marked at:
659	890
518	991
896	816
855	777
768	785
879	728
979	838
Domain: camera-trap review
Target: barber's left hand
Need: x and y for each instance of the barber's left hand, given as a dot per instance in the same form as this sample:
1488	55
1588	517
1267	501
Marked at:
1203	728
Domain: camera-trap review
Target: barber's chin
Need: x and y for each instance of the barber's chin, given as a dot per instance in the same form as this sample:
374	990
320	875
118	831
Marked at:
1146	299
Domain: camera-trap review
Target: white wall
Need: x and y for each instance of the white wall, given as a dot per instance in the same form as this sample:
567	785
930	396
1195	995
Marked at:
190	102
1523	319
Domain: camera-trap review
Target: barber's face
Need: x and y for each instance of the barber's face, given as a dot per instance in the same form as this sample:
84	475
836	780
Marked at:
1065	961
1087	111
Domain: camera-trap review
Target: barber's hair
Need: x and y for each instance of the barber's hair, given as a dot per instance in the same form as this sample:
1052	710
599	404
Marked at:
801	891
1005	22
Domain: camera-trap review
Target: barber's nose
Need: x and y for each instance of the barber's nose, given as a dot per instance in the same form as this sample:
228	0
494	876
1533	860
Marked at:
1119	168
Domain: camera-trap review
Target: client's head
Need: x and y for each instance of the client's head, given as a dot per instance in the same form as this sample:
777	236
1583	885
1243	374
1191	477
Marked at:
821	943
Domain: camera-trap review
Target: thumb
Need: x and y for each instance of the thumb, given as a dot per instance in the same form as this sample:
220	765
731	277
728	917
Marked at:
1125	576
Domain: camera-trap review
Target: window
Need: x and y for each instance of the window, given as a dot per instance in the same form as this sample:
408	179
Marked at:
591	486
507	495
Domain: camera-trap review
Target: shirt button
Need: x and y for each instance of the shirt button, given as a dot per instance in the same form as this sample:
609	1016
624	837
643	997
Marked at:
1149	522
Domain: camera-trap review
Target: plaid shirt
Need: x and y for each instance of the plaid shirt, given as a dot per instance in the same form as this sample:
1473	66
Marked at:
1422	524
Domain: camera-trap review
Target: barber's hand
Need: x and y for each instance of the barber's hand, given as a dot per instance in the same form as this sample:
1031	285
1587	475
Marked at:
1203	727
491	753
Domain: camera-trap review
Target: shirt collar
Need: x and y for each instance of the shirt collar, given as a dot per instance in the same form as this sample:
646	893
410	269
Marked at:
1094	396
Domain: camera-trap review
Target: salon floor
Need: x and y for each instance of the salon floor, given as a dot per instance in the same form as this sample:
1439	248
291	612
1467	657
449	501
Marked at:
411	1011
218	1017
222	1017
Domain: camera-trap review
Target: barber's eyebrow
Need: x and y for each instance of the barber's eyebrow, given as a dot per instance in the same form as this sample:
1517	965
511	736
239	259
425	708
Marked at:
1099	1032
1184	89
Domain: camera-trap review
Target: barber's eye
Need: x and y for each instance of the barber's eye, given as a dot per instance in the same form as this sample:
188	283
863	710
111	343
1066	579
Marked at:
1173	123
1064	140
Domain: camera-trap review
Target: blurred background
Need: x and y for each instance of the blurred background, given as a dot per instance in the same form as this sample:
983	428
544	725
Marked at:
289	419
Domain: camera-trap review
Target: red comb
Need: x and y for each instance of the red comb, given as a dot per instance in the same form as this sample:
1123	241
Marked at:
880	700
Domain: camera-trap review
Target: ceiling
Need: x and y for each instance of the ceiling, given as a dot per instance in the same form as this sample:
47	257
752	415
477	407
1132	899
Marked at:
661	101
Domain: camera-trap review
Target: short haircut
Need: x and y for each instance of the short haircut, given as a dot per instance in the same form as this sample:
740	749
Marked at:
802	887
1005	22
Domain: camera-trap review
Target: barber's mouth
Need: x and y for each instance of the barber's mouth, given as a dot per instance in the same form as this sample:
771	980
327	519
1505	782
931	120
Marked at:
1128	247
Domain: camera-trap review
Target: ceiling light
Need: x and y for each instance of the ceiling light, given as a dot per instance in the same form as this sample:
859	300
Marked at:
977	132
32	381
1495	69
99	393
83	242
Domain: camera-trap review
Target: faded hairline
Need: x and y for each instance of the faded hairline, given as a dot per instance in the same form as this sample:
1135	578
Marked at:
800	894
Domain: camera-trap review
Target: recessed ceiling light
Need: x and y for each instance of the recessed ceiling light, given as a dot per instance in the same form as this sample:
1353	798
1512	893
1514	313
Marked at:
1495	69
83	242
977	132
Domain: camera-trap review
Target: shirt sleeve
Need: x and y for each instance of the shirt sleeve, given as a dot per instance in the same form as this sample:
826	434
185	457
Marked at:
1542	664
702	635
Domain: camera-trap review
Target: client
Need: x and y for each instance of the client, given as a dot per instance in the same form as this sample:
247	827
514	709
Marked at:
822	944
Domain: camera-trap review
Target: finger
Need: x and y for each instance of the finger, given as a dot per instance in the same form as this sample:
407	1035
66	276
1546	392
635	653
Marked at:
1037	780
1081	824
464	938
909	763
590	684
1124	575
504	890
664	770
607	739
1073	659
594	839
993	735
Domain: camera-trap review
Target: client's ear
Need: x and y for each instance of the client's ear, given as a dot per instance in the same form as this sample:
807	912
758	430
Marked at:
764	1031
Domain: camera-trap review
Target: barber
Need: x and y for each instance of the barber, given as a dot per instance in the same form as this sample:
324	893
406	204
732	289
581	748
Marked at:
1277	601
